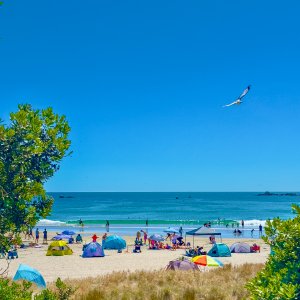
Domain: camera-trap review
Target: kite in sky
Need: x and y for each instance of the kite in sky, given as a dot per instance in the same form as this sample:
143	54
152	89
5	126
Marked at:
239	101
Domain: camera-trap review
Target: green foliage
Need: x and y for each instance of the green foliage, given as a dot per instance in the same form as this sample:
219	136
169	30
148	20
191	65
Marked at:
64	292
31	149
22	291
280	279
14	291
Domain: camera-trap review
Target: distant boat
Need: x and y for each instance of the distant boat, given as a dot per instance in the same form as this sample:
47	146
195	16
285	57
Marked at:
62	196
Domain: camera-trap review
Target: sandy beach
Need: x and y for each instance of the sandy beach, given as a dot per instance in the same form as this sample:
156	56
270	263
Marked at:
75	267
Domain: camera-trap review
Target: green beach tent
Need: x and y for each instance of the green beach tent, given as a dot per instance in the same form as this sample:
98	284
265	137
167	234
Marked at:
219	250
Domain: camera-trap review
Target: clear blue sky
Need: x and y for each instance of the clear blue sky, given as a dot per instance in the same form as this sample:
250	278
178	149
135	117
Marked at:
142	84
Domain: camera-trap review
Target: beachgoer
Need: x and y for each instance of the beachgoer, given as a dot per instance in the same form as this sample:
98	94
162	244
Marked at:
27	233
80	222
37	235
145	237
104	237
243	223
260	230
45	235
94	238
71	240
78	238
252	232
232	225
30	233
227	225
180	230
107	225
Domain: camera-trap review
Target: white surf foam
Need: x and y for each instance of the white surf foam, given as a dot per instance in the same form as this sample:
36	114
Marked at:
254	222
45	222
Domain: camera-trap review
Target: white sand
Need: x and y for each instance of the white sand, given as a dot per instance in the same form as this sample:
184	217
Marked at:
74	266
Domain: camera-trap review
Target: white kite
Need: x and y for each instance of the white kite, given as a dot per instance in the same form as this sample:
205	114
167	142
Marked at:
239	101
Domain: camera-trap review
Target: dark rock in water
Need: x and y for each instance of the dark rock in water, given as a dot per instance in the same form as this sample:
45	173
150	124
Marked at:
62	196
275	194
267	194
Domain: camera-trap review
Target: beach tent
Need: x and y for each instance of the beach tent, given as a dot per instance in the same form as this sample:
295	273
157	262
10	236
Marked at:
183	265
59	248
93	249
240	248
114	242
68	232
156	237
219	250
25	272
171	230
60	237
202	231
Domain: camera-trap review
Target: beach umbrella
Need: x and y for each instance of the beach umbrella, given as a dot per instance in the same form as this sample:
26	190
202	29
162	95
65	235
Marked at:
184	265
68	232
61	237
114	242
156	237
25	272
206	260
171	230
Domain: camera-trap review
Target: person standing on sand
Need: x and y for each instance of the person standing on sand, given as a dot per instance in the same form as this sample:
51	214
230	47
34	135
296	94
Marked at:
37	235
145	236
180	230
107	225
260	230
30	233
104	237
45	236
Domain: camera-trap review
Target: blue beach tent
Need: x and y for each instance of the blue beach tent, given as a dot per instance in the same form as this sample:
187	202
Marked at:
68	232
93	249
25	272
219	250
171	230
114	242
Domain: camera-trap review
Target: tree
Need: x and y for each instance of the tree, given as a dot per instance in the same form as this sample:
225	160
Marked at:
31	149
280	278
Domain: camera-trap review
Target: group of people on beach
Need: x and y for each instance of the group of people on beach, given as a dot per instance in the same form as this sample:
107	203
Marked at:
29	235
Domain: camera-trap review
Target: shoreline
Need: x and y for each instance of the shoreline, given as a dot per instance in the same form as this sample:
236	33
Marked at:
75	267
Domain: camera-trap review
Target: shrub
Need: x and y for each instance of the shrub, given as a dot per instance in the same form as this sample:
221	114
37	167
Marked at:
280	278
10	290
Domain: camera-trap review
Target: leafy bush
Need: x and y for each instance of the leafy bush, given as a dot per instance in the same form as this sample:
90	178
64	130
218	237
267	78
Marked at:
14	291
10	290
280	278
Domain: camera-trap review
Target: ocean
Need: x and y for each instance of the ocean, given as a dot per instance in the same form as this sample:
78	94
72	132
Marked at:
128	212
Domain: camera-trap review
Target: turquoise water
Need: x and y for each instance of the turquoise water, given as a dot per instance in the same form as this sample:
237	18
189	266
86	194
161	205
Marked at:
128	212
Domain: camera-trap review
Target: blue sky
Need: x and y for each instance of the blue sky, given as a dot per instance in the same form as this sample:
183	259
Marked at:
142	84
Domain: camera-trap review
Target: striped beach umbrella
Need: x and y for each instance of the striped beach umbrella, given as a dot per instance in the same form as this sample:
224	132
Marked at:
206	261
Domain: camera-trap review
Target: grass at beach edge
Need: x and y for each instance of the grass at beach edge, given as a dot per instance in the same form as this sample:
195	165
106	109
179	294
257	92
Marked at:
220	283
